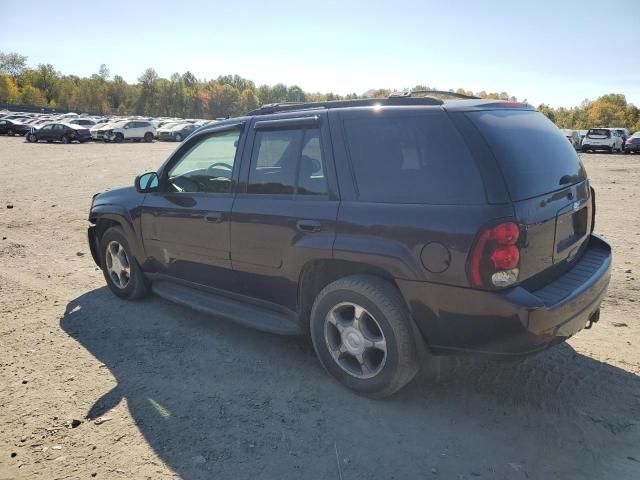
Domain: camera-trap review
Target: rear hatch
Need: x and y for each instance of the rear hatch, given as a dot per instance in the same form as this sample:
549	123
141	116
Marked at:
598	136
547	184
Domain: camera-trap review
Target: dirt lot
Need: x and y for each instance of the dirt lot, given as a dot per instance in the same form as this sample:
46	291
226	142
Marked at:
195	397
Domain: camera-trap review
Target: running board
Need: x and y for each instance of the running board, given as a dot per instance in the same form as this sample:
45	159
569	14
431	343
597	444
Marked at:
244	313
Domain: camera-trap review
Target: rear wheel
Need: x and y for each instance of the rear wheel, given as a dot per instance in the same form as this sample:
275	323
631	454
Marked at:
121	271
148	137
31	138
178	137
65	139
10	132
119	138
363	336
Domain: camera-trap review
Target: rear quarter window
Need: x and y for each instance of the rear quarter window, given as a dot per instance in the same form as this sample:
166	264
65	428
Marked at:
533	154
416	157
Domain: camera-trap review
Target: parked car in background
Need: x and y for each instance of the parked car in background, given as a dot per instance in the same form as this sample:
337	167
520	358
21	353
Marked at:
84	122
135	130
574	138
99	132
622	133
176	133
632	145
13	127
61	132
462	226
16	117
602	139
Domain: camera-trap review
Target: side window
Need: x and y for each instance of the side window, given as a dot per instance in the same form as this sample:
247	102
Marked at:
206	166
286	162
274	161
411	159
311	177
3	122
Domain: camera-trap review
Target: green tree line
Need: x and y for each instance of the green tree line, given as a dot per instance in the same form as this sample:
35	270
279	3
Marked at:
184	95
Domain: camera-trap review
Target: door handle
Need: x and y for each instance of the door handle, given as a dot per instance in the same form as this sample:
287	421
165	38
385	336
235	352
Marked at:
308	226
213	217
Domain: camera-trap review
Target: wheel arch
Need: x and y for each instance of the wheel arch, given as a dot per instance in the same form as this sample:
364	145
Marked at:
107	216
317	274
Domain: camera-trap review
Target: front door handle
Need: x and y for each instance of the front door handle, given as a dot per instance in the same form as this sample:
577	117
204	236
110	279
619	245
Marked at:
308	226
213	217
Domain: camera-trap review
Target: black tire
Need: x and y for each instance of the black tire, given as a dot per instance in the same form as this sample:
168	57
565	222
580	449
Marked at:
610	149
31	138
178	137
148	137
119	138
10	132
137	285
65	139
386	305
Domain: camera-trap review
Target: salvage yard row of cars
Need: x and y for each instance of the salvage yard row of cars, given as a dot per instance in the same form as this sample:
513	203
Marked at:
604	139
71	127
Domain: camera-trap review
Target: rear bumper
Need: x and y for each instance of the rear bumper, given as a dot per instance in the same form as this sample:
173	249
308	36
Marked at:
516	321
589	146
632	147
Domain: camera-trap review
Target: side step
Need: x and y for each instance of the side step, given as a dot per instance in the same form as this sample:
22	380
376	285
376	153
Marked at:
246	314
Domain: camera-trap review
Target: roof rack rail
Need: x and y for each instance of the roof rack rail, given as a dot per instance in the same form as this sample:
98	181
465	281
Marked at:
363	102
410	94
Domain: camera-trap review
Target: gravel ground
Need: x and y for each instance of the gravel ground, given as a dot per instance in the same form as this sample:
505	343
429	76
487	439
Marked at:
187	396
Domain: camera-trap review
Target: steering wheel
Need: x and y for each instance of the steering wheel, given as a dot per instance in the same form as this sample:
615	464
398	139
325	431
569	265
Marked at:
220	164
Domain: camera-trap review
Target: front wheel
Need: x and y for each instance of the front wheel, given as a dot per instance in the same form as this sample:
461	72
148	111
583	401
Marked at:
148	137
178	137
362	334
31	138
119	138
121	271
10	132
65	140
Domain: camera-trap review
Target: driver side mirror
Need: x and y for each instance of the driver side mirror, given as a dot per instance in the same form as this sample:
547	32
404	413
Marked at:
147	182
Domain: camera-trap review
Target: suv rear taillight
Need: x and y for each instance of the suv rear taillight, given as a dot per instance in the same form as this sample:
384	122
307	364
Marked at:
495	256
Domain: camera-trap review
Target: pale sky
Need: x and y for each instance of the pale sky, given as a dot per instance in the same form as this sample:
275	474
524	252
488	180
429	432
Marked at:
556	52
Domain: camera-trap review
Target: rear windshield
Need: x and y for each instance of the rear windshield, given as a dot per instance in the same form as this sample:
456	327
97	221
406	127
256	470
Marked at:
533	154
599	132
411	158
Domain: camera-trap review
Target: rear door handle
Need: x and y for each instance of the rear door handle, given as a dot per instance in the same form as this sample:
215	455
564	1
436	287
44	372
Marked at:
309	226
213	217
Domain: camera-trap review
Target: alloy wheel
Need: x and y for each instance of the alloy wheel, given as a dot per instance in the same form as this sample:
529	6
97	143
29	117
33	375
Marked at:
355	340
117	263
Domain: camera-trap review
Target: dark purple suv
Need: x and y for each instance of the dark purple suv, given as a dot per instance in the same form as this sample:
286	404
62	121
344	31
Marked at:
377	227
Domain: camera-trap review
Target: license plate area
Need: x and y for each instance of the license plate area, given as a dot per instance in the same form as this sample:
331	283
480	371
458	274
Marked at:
572	228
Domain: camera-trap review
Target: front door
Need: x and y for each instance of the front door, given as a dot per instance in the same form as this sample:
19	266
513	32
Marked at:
46	132
185	225
286	215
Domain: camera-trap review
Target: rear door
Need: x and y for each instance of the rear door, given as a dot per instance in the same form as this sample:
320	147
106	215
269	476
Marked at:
546	181
185	225
285	214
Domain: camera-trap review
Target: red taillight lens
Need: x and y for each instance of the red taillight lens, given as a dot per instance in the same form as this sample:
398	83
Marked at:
495	251
506	233
504	258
